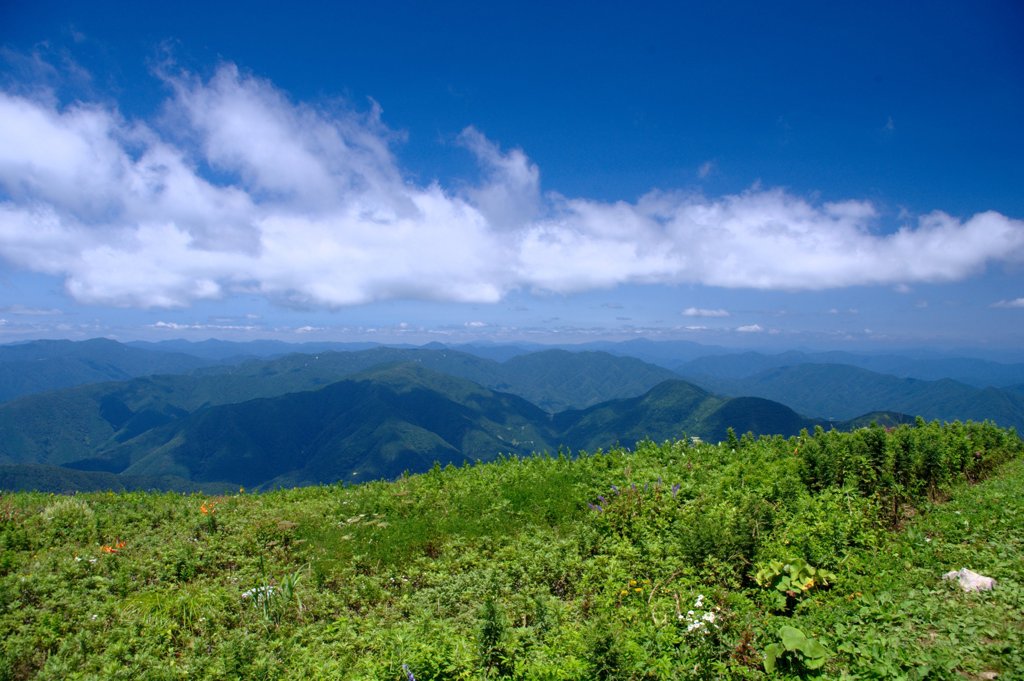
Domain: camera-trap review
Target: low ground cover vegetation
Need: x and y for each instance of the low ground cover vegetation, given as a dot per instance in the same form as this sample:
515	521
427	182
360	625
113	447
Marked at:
817	555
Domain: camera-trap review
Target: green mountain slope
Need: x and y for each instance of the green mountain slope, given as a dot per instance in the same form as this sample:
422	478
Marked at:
671	409
376	425
38	366
843	392
557	379
975	372
74	424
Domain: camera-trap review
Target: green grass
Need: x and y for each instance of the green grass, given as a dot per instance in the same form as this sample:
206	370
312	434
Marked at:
617	565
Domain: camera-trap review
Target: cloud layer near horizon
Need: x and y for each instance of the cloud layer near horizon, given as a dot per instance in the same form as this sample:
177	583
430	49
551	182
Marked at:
235	188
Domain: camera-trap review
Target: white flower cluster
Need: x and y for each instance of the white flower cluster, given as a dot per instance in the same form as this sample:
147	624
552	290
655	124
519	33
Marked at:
258	592
699	619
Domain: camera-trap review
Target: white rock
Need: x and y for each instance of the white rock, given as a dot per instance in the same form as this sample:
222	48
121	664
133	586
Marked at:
971	580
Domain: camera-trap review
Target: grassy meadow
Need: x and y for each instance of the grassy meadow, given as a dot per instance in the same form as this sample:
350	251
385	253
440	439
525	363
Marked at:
814	556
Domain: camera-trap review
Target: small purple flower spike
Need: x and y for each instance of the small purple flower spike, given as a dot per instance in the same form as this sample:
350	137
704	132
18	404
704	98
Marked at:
408	674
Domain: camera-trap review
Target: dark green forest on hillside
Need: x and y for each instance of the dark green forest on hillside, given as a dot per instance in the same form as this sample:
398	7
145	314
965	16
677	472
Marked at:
377	423
264	416
820	554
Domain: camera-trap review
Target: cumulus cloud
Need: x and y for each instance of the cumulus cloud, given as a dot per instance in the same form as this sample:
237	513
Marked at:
236	188
1017	302
701	312
750	328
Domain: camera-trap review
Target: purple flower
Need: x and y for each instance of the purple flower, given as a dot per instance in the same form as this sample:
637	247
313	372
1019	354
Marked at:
675	489
600	498
595	507
408	674
615	489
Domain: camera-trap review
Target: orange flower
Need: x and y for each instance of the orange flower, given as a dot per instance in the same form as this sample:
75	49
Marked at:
208	508
107	548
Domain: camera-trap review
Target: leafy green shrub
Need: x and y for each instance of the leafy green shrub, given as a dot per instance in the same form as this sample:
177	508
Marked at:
792	581
795	652
503	570
823	528
68	519
493	640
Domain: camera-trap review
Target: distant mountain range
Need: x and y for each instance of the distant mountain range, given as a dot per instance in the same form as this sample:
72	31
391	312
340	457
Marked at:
27	368
258	416
842	392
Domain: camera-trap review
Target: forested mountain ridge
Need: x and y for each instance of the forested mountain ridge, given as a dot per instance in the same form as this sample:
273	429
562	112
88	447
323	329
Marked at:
384	421
38	366
73	423
975	372
843	392
301	418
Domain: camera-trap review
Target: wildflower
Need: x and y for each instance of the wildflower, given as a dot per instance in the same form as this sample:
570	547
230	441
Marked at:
675	489
408	674
112	548
595	507
207	508
615	489
258	592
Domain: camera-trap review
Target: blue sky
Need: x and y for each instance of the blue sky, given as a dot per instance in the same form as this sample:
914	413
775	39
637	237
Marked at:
792	175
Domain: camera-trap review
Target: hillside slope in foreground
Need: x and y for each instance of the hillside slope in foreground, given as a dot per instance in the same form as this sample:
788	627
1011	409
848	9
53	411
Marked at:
818	554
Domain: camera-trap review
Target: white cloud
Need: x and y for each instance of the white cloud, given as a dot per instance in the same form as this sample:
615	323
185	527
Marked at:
750	328
1017	302
701	312
177	326
21	310
705	169
308	205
